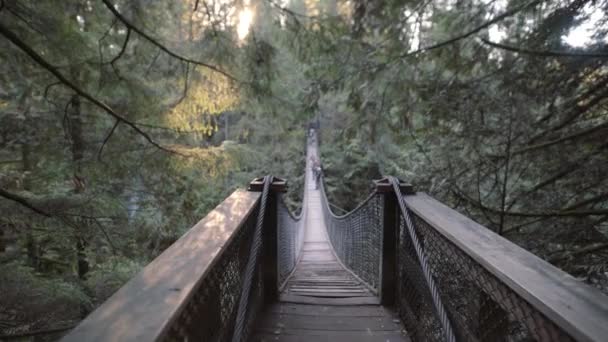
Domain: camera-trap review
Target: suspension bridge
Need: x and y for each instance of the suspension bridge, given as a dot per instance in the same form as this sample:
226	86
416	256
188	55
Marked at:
399	267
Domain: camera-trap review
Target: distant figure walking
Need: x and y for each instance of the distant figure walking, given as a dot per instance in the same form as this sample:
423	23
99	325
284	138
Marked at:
311	135
313	127
316	170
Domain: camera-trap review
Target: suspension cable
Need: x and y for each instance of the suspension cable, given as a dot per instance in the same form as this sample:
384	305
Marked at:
439	307
252	262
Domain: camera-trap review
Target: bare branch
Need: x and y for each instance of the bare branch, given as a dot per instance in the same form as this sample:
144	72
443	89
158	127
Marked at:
23	201
544	53
575	135
48	88
552	213
582	251
173	129
39	332
475	30
24	20
100	51
46	65
106	235
124	47
106	139
131	26
149	68
185	91
595	199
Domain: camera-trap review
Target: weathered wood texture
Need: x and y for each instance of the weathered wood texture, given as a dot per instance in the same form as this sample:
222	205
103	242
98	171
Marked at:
577	308
146	306
303	322
318	274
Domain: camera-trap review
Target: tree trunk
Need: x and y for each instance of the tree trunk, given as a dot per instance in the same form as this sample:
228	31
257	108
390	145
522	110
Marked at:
78	146
31	246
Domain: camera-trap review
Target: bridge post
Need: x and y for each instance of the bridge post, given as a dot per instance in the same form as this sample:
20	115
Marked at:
390	238
270	249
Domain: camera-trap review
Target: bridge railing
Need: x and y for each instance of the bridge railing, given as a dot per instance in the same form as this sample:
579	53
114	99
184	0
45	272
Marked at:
451	279
356	238
290	233
195	290
488	288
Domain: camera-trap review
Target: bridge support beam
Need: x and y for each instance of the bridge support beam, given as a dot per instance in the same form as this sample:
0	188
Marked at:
390	239
270	250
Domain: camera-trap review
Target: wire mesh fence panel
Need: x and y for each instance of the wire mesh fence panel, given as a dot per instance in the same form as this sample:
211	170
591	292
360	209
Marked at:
211	312
290	232
413	297
357	237
480	306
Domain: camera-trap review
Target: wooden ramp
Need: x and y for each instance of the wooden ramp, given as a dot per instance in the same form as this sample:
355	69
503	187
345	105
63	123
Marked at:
322	300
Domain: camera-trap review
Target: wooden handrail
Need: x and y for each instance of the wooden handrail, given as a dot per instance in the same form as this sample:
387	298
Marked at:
144	308
578	309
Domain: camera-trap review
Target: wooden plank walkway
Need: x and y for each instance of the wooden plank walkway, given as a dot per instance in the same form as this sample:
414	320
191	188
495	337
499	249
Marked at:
305	322
322	300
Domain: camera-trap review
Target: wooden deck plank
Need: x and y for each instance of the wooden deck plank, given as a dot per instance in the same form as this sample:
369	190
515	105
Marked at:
329	290
329	301
338	288
330	295
302	322
327	332
322	301
325	284
319	274
321	336
337	323
327	310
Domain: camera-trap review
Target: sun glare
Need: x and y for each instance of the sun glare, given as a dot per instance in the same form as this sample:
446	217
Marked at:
245	19
582	34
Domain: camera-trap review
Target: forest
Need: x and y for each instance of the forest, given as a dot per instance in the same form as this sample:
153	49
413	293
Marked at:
122	123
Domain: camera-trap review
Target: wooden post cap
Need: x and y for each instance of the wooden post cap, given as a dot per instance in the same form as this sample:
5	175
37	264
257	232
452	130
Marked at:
278	185
383	185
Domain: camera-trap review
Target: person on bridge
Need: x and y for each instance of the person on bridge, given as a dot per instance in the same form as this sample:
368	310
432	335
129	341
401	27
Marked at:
314	161
311	135
316	171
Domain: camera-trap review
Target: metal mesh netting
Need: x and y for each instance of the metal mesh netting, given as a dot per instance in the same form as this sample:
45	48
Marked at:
210	314
479	305
356	237
290	233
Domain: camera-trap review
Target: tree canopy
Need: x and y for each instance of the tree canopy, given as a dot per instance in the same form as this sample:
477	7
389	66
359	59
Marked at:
122	123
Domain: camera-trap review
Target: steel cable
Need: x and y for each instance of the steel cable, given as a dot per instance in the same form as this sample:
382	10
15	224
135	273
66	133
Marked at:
252	262
426	269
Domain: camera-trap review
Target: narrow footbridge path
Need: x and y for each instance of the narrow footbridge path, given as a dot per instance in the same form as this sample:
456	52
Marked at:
322	300
401	266
319	273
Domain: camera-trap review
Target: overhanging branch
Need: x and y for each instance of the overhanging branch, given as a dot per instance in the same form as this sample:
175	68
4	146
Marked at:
23	201
12	37
551	213
475	30
543	53
144	35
